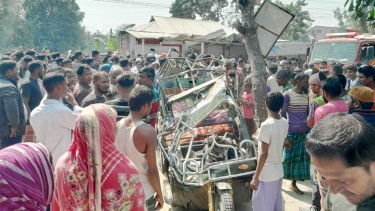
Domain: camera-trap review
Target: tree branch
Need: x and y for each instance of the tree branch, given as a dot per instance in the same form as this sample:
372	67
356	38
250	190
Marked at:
239	27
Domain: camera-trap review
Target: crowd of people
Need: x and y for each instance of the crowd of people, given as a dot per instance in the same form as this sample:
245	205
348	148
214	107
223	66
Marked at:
111	105
312	115
108	162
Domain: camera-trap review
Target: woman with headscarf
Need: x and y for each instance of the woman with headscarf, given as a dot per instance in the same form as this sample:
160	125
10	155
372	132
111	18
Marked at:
26	177
93	174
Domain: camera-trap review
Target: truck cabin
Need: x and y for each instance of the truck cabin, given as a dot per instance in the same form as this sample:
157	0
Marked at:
346	48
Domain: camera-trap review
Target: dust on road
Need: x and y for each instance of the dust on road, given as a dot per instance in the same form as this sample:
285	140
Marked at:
291	200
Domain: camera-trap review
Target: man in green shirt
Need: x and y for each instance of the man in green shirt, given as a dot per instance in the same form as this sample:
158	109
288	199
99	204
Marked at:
342	149
282	79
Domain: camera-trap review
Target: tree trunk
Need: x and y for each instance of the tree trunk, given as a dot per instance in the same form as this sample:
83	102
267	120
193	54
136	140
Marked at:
248	28
363	23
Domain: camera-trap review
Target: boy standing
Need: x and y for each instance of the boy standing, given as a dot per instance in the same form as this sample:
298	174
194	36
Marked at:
268	177
247	102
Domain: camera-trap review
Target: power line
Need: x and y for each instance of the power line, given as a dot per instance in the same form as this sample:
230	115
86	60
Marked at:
116	6
135	3
329	2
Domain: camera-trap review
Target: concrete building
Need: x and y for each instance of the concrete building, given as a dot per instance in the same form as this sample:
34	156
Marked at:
163	33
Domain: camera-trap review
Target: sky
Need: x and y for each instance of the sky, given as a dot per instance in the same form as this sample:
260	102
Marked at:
102	15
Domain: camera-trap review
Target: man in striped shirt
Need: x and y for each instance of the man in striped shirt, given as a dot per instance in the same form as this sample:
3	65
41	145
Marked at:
296	161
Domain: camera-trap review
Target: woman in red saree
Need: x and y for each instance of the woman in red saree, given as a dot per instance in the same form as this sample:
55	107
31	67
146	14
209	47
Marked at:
93	174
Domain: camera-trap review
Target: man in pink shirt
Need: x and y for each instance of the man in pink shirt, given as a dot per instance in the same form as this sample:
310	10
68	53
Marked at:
331	95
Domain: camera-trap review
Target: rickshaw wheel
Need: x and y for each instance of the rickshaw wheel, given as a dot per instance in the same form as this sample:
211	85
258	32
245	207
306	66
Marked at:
223	200
162	162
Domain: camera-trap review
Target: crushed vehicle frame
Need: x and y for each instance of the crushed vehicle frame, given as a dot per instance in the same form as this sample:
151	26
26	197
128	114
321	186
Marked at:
204	149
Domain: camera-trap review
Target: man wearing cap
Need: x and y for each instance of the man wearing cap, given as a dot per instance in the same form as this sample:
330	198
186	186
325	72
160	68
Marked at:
105	67
351	72
360	101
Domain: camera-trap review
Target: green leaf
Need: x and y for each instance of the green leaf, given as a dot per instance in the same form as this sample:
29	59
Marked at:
358	5
372	13
347	1
368	3
359	14
351	7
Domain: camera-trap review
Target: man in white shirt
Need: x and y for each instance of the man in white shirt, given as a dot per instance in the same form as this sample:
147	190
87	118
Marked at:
271	81
351	72
309	68
138	65
53	121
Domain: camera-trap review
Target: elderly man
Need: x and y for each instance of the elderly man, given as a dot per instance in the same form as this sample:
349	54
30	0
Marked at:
360	102
342	149
113	92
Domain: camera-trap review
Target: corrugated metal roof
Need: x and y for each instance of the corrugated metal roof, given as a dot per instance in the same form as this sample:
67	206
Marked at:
145	27
149	35
170	25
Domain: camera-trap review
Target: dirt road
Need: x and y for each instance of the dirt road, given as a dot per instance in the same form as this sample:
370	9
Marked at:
291	200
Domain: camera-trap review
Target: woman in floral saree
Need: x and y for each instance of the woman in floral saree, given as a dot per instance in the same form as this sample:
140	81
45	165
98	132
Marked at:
93	174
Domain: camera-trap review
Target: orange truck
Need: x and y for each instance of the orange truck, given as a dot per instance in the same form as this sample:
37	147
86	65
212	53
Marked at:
345	48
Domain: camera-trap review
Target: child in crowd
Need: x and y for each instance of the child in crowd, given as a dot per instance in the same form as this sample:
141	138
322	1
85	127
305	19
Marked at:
247	102
268	177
